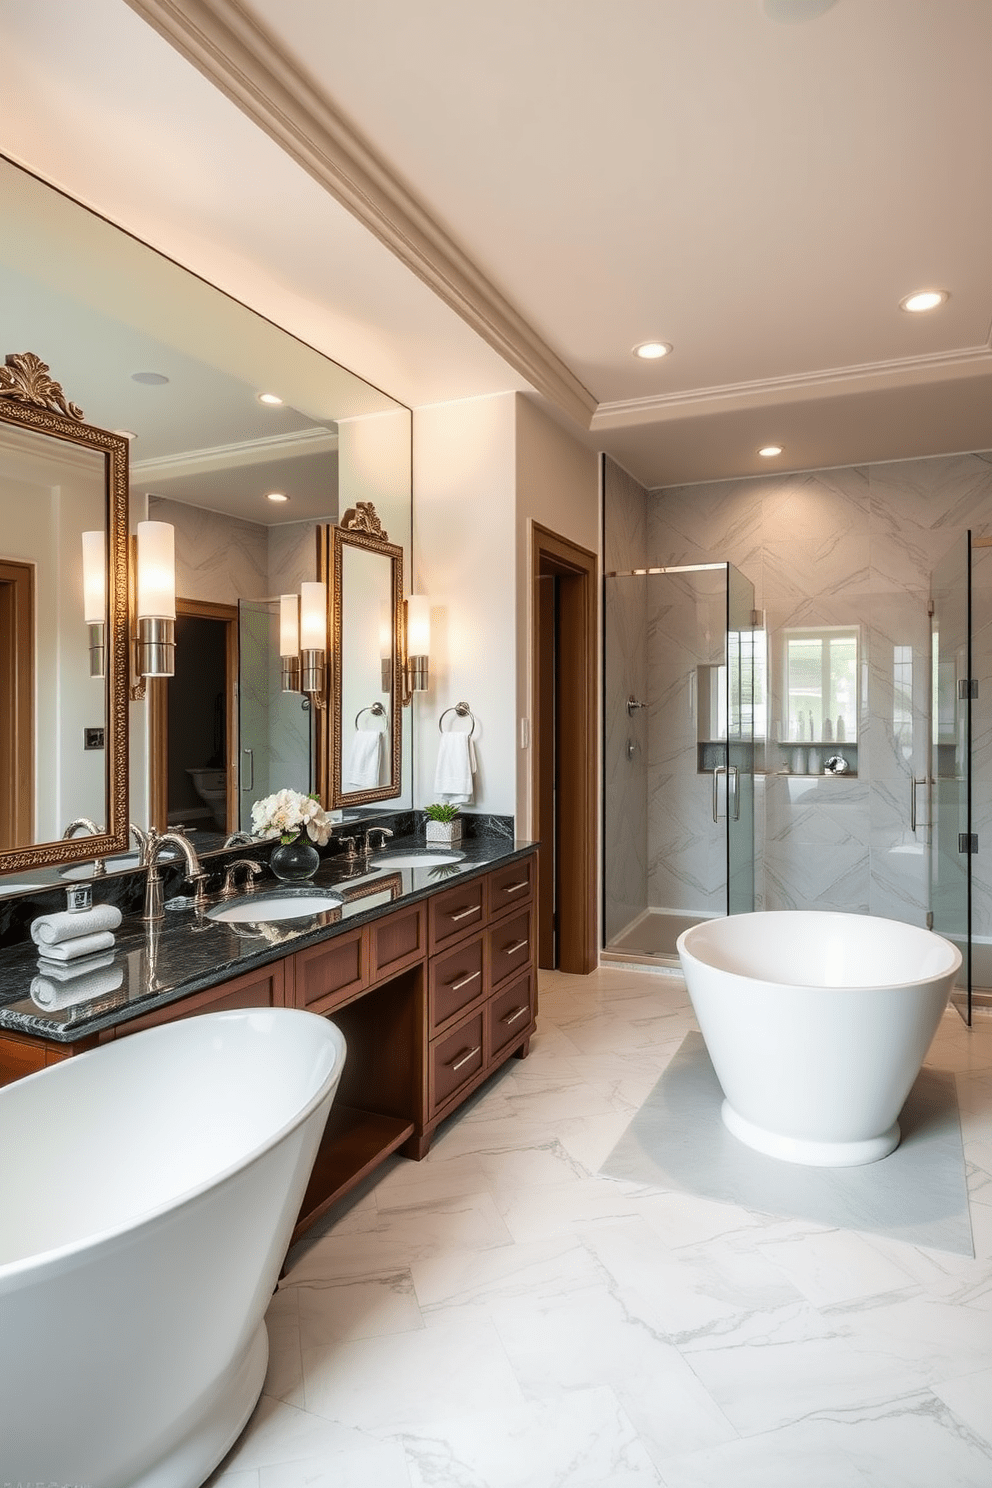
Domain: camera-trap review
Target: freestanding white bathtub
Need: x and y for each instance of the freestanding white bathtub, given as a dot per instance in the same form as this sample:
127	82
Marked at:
150	1188
817	1025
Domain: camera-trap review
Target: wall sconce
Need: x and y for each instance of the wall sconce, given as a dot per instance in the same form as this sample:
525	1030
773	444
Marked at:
95	597
289	641
416	669
313	639
153	646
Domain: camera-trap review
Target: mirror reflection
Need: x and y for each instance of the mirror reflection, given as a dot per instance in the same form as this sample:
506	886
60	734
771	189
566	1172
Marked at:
151	351
367	593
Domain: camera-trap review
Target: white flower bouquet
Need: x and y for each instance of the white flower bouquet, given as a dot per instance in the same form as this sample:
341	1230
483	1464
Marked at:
286	814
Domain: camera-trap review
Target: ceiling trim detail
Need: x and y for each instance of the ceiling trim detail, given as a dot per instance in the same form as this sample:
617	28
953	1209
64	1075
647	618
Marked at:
252	68
970	361
233	456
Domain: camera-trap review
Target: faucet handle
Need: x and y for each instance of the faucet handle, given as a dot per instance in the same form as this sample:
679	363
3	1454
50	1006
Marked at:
350	844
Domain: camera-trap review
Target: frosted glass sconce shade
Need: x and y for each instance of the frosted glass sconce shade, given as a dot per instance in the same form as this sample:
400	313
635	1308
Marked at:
289	641
156	600
95	597
418	642
313	635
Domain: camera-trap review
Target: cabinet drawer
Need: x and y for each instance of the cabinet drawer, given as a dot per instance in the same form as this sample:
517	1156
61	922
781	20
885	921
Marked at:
331	973
510	1012
457	912
455	1058
456	979
398	941
509	946
511	887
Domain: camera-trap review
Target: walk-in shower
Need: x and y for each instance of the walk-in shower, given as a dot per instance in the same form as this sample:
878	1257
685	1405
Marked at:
685	703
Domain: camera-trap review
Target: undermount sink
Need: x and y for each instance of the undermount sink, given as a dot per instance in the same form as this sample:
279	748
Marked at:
266	908
415	858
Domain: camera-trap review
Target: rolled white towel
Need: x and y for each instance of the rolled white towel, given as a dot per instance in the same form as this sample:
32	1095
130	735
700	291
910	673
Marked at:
455	767
363	764
70	925
50	993
71	950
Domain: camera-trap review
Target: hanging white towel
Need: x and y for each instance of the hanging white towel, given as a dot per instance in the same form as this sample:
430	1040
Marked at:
455	768
83	945
363	765
69	925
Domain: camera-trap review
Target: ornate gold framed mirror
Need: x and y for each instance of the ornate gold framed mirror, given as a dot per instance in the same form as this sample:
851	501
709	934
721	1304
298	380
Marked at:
362	760
63	668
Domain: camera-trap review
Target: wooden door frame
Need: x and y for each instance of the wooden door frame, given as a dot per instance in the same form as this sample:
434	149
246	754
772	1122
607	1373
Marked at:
16	704
577	765
158	717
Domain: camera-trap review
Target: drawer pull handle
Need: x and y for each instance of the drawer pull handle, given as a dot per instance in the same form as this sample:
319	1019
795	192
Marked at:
475	909
512	950
457	986
512	1017
515	888
464	1059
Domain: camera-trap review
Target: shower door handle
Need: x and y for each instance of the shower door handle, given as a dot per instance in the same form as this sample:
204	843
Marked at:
251	769
734	774
718	770
914	782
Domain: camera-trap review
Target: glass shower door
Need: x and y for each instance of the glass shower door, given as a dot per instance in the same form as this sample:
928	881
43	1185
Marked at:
275	728
950	769
742	705
680	690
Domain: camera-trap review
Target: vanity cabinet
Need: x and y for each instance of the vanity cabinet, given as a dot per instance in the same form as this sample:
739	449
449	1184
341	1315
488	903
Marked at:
431	998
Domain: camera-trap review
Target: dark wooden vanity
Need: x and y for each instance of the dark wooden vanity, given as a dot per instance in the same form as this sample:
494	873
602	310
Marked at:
432	996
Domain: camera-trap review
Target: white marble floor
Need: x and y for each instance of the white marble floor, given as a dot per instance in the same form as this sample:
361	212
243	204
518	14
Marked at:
499	1316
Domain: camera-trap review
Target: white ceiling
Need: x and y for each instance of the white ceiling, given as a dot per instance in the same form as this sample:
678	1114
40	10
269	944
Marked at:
759	194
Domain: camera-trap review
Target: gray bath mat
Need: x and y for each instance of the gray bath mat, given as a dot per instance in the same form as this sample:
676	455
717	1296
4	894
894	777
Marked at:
917	1194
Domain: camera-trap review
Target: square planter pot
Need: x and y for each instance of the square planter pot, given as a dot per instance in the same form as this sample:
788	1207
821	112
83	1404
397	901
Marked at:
446	832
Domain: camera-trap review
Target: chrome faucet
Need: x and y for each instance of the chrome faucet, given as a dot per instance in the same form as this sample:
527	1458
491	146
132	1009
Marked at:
92	830
142	841
252	871
194	873
367	848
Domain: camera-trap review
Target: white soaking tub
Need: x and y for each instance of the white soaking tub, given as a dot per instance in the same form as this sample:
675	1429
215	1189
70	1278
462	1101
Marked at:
150	1188
817	1025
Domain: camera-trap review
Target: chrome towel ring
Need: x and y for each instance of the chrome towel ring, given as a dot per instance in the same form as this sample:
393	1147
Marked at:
461	710
377	711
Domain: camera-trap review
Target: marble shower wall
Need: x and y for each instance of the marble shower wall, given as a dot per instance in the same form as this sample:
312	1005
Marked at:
846	547
625	771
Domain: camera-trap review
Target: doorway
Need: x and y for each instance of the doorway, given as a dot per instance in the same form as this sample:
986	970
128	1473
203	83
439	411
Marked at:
193	723
563	751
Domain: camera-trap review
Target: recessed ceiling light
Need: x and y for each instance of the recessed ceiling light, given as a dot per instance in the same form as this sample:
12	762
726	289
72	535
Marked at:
770	451
271	398
149	379
650	351
924	299
276	496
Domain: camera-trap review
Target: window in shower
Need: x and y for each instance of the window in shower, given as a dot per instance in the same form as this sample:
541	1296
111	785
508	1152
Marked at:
820	698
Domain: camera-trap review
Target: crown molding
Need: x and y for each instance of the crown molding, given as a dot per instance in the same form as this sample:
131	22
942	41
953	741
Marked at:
252	68
233	456
944	366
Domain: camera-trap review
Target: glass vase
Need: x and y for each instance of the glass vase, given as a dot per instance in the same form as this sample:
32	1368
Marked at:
296	861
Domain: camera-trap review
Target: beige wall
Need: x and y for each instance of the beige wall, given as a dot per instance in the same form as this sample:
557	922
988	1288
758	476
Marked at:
558	487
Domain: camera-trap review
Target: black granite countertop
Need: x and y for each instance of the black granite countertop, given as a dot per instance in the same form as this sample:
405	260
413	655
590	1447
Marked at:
186	952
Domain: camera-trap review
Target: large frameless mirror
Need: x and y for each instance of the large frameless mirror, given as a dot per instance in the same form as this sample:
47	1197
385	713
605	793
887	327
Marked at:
179	369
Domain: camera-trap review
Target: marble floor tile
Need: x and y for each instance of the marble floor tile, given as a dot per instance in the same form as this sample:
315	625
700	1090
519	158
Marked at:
502	1316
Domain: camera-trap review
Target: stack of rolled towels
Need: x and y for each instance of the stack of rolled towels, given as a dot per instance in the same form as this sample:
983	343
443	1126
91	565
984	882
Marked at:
75	955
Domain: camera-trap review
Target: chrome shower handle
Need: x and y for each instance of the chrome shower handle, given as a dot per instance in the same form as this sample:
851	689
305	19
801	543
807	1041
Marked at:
734	773
914	782
718	770
633	705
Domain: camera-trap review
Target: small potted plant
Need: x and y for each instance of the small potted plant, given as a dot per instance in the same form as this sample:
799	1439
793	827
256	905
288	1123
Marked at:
443	822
